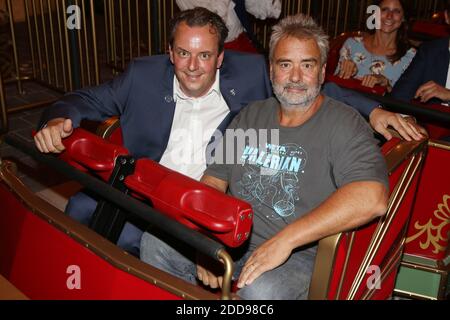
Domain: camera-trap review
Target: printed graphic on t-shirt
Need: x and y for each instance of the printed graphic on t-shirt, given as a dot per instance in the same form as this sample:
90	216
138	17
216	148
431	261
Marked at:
271	177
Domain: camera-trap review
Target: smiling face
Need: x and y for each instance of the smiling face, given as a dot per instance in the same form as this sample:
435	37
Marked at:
392	15
296	72
196	58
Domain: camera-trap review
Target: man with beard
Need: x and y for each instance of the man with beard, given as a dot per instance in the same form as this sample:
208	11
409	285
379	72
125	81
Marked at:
321	174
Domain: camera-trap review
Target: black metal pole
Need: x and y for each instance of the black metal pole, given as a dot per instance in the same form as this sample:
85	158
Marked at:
424	112
156	43
74	54
198	241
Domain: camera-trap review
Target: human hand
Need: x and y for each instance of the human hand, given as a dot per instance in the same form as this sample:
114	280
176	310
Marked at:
271	254
207	277
371	80
381	119
347	69
49	139
432	90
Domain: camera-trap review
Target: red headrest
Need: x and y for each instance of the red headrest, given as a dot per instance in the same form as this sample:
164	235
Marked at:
86	151
192	203
180	197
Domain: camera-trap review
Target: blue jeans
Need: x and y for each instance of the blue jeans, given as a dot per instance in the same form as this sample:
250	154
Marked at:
290	281
81	207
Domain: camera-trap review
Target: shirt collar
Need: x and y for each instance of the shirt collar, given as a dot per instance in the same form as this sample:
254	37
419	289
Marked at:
179	94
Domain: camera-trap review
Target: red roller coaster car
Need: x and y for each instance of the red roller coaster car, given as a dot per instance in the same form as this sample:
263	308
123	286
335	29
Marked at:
43	251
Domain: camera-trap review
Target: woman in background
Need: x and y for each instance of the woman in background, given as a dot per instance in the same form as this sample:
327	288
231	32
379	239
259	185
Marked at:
382	55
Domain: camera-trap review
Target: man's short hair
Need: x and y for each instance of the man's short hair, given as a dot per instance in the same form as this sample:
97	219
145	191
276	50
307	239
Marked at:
200	17
302	27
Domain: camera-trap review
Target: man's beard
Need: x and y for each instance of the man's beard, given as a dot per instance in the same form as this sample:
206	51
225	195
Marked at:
295	100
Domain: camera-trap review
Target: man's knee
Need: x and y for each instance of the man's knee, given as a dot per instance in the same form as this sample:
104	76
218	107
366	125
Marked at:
152	249
130	239
165	257
270	287
81	207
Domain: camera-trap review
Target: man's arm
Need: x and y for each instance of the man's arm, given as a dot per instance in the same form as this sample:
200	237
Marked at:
264	9
379	119
49	139
214	182
430	90
349	207
96	103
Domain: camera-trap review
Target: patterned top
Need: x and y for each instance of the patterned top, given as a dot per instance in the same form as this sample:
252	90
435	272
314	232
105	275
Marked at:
368	63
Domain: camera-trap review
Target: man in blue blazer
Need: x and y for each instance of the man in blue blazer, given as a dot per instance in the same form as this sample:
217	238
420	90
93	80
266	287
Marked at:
427	78
157	97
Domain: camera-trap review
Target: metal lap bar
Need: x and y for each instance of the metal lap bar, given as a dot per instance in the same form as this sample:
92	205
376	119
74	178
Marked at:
108	219
196	240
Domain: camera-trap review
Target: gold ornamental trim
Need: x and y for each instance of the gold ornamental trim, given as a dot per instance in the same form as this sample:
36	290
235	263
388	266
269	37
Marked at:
434	234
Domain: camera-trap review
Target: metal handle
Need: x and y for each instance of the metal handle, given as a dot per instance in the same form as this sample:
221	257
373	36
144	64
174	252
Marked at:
228	264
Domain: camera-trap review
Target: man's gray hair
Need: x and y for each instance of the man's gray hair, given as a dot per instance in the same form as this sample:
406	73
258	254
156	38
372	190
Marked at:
300	26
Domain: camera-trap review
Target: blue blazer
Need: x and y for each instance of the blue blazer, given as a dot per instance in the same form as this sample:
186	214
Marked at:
430	64
143	98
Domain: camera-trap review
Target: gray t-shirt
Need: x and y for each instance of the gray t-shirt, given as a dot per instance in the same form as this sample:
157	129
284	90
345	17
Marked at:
286	179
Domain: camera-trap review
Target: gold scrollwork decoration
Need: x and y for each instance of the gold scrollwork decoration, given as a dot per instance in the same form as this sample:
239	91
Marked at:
434	232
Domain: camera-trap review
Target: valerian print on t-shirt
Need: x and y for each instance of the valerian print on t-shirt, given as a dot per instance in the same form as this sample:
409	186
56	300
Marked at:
271	175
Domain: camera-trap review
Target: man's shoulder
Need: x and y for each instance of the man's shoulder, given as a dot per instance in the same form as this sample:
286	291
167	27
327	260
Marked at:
342	115
242	60
337	107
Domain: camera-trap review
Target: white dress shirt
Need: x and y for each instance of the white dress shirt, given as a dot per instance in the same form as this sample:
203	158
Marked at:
194	122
